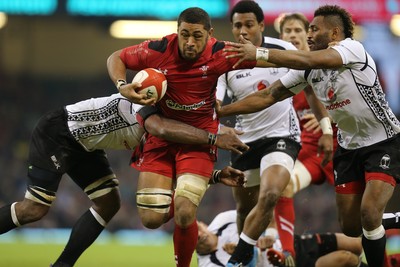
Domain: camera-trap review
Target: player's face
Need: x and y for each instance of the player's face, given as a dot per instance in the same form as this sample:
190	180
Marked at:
204	242
246	24
319	35
192	40
293	31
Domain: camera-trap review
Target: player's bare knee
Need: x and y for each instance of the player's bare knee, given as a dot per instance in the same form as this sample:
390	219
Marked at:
370	218
151	219
29	211
35	205
268	199
342	258
108	205
185	212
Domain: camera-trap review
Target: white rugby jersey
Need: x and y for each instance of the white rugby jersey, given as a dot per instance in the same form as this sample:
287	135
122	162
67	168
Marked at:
224	225
280	119
105	123
352	95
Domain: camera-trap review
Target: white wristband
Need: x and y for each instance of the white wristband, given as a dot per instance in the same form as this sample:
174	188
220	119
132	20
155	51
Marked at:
262	53
120	82
326	126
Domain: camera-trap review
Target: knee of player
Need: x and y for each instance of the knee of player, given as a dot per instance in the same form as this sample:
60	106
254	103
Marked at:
29	211
154	205
370	218
268	198
185	214
107	205
342	258
152	220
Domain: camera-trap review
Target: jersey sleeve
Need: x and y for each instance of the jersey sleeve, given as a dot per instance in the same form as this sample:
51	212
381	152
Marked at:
143	112
294	81
350	51
222	87
135	57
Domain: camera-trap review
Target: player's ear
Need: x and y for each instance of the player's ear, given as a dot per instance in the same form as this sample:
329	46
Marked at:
262	26
335	33
211	32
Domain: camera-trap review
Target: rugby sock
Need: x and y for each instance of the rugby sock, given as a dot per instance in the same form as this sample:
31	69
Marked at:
185	241
391	220
285	218
374	243
6	221
83	234
244	250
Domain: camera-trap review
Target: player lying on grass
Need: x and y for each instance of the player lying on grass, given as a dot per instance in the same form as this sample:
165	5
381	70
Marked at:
72	139
218	240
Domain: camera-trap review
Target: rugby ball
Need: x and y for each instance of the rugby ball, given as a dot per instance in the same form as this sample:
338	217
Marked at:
154	83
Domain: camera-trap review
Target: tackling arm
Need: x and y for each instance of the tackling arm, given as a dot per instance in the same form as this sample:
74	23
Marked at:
175	131
256	101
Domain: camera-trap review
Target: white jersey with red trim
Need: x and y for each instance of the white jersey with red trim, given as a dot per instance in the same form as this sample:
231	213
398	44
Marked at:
279	120
352	95
105	123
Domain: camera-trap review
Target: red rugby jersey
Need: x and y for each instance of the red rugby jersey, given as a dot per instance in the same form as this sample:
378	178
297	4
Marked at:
301	106
190	96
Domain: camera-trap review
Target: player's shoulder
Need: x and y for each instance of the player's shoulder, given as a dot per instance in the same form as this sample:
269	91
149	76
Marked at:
161	45
271	42
226	217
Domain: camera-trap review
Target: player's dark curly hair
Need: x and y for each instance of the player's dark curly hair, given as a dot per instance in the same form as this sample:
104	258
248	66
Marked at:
248	6
195	15
337	16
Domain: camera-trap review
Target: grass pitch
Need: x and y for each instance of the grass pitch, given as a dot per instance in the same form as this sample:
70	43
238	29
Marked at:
113	254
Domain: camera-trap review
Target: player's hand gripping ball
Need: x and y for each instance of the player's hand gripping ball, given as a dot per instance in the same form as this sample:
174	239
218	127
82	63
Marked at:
154	83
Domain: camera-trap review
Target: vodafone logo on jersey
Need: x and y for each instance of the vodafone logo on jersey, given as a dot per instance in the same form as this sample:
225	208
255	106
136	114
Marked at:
337	105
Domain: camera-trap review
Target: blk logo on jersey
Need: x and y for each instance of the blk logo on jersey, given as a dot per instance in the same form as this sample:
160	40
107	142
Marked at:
385	162
243	75
55	162
317	80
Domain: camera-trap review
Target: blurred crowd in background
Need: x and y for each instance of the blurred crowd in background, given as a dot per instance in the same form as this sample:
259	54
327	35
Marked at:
37	75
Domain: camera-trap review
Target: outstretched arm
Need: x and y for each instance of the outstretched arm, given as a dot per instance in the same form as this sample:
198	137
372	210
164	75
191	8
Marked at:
294	59
256	101
179	132
229	176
